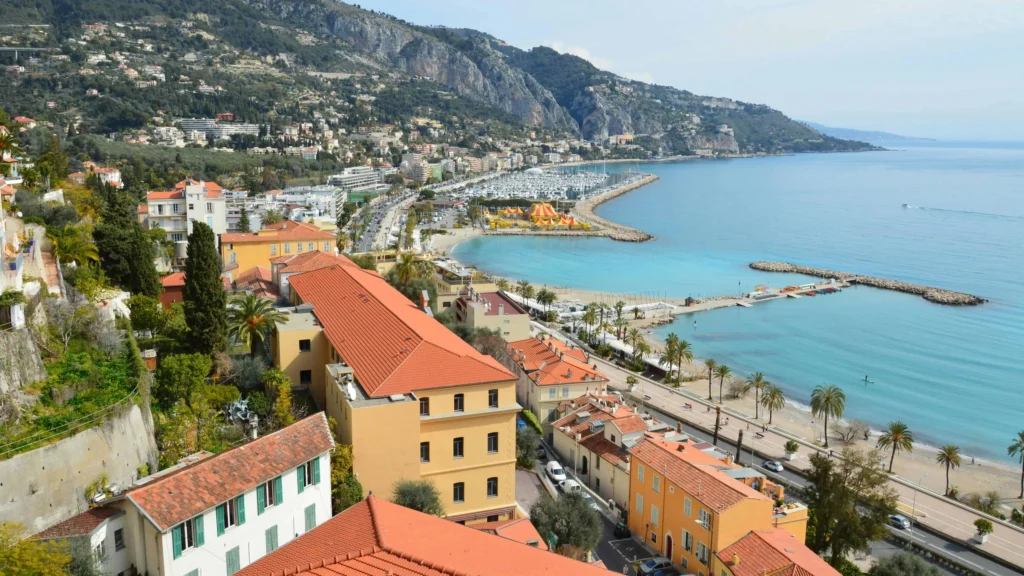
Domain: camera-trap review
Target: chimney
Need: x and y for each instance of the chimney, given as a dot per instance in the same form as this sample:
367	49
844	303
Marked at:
735	559
680	448
568	373
679	427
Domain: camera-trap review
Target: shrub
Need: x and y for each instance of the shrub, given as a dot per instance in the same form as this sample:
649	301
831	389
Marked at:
532	421
527	440
984	526
420	495
792	447
259	403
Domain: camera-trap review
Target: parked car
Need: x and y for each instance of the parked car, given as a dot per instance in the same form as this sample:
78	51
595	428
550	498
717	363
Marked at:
652	565
591	502
670	571
554	471
622	530
774	466
570	487
899	521
542	454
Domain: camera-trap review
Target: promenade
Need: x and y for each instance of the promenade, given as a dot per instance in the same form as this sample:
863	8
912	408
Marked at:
931	509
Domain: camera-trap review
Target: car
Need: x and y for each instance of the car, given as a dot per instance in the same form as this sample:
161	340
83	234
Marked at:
554	471
651	565
570	487
622	530
899	521
774	466
670	571
591	502
542	454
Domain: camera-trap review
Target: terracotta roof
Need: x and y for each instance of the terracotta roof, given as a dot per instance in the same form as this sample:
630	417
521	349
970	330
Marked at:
143	209
393	346
285	231
309	261
210	187
510	307
80	525
632	424
705	483
537	351
105	170
605	449
598	413
258	280
165	195
170	499
173	280
551	362
7	190
774	552
521	530
378	537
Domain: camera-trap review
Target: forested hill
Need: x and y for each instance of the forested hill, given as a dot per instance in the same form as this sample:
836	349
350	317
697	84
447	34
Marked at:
559	93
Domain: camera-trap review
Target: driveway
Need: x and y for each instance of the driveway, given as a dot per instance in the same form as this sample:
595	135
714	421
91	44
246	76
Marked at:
528	489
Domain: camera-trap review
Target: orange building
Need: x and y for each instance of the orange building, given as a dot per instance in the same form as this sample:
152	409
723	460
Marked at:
241	251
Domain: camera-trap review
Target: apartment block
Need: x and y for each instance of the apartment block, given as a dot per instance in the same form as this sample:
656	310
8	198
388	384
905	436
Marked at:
175	210
493	311
241	251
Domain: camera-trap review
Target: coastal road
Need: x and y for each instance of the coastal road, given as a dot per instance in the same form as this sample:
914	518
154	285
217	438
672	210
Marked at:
935	514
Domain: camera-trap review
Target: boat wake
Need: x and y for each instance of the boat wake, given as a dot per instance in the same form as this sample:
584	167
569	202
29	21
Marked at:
972	213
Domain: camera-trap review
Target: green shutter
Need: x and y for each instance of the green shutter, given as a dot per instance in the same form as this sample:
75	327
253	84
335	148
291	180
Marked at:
310	517
222	511
233	562
278	491
301	475
199	531
261	499
271	535
316	470
240	506
176	539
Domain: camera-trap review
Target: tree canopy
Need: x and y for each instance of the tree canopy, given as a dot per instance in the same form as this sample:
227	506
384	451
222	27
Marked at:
204	296
575	526
419	495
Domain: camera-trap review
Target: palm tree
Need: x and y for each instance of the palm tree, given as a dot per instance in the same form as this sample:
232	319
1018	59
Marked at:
605	328
684	352
772	399
1017	449
590	319
620	327
502	284
948	456
710	365
633	336
8	145
722	372
71	245
619	307
756	382
271	217
340	240
406	269
828	400
668	357
637	312
898	437
524	289
251	319
640	350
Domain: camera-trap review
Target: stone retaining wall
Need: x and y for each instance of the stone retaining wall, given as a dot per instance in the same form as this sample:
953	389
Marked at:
584	212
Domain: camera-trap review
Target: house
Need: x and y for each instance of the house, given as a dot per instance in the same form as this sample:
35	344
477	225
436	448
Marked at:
693	506
378	537
493	311
214	514
241	251
284	267
109	175
413	399
175	210
25	122
550	372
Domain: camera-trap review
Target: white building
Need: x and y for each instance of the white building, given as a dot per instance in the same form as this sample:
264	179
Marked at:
214	514
356	178
175	210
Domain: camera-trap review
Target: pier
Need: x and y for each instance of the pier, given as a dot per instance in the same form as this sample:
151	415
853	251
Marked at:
929	293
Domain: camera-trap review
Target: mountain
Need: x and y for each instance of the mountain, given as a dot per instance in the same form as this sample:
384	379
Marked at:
541	88
864	135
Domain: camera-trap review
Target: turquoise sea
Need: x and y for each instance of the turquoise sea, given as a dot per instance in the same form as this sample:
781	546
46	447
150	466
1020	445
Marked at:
952	374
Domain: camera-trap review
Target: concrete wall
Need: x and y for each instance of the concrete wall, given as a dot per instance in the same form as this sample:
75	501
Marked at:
20	363
47	485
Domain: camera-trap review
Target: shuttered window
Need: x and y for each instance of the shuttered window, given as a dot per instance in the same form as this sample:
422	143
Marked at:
310	517
271	536
233	561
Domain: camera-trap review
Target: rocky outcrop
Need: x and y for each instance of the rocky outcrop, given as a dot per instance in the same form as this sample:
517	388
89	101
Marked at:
601	115
20	363
937	295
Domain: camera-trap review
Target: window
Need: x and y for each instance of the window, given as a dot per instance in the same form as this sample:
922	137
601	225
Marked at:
704	518
656	483
305	377
304	345
232	559
273	249
311	248
287	248
177	237
209	207
308	474
101	549
684	563
271	536
597	463
654	537
640	472
639	504
654	515
118	539
188	534
565	391
686	507
598	479
492	518
160	209
424	451
552	392
457	447
613	438
492	443
459	492
174	208
227	515
269	494
327	246
209	221
191	207
492	398
298	247
231	257
424	406
310	517
492	487
687	541
702	553
460	402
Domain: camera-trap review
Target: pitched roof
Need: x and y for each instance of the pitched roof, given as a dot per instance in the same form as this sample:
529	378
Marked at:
704	482
173	280
393	346
259	281
80	525
309	261
378	537
520	530
213	190
285	231
550	362
605	449
773	552
165	195
184	493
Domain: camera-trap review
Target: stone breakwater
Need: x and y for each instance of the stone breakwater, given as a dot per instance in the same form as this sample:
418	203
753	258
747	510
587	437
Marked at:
937	295
584	212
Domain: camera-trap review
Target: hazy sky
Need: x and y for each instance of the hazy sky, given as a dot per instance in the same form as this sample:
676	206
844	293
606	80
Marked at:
938	68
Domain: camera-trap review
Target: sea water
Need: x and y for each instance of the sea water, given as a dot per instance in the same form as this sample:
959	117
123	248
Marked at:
953	374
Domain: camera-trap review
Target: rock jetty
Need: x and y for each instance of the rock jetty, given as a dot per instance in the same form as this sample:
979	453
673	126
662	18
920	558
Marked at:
584	212
937	295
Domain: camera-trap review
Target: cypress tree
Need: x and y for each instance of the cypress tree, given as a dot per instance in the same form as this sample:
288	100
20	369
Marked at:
126	253
205	300
243	219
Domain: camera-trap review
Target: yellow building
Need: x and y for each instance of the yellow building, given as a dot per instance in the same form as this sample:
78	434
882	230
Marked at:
493	311
451	280
412	398
691	506
240	251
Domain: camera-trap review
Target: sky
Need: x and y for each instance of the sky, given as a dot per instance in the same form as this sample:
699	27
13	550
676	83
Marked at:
947	69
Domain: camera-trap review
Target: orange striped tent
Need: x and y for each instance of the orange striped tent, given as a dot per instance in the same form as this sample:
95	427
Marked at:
542	211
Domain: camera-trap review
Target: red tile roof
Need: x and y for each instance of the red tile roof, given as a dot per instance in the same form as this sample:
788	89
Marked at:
598	413
80	525
173	280
213	190
521	530
165	195
510	307
705	483
258	281
284	232
393	346
550	362
378	537
182	494
309	261
774	552
605	449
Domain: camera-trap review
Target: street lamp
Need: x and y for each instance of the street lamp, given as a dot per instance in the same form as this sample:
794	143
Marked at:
913	510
